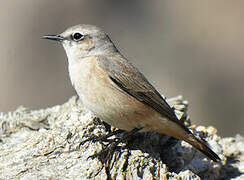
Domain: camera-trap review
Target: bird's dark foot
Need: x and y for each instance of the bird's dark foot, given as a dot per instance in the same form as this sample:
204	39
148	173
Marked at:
106	154
104	138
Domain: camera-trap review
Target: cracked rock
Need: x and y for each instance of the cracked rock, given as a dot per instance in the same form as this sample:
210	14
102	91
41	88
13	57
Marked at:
44	144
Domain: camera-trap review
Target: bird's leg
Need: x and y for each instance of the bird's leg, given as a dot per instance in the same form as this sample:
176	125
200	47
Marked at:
101	138
106	154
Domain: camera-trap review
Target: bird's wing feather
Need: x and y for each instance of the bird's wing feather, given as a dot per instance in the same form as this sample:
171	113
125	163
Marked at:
129	79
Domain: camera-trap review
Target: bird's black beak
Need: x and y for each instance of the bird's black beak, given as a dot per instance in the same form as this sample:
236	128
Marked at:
53	37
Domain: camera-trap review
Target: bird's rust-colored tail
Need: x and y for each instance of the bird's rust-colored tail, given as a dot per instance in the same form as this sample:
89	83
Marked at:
179	131
201	146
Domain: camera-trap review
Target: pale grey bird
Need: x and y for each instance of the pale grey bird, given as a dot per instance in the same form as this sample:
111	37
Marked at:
115	90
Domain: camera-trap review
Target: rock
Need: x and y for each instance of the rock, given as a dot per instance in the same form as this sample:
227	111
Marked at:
44	144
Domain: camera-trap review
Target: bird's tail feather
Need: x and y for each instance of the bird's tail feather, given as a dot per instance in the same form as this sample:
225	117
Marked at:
201	146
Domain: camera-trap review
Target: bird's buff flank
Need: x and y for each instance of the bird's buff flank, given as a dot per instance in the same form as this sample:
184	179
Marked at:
115	90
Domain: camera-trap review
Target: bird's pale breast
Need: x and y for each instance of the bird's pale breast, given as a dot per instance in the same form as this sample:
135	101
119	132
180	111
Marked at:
100	95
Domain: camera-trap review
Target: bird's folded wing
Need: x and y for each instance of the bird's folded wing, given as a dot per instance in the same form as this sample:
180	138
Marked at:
128	78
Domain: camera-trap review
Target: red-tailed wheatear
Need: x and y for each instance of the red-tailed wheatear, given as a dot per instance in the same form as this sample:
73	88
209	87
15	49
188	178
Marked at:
115	90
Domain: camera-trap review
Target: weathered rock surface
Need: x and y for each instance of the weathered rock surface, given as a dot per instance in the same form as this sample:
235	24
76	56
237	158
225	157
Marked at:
44	144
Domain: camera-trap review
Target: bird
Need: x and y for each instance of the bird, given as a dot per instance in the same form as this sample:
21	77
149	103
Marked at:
115	90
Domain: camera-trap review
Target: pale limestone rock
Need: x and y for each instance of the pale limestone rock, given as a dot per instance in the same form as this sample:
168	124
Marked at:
44	144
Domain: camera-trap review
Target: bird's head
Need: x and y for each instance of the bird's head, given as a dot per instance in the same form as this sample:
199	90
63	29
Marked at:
84	40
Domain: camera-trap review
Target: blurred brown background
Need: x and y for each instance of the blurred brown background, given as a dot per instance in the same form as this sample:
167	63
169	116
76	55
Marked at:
193	48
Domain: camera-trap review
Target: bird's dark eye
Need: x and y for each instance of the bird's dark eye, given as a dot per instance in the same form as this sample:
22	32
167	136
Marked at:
77	36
